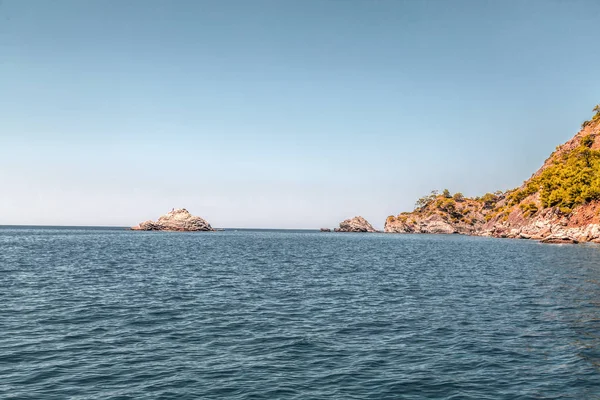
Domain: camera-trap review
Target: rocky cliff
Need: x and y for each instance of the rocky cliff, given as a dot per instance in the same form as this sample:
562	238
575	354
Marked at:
441	214
356	224
560	203
175	220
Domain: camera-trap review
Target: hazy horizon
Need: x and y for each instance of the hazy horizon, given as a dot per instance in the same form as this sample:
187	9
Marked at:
273	114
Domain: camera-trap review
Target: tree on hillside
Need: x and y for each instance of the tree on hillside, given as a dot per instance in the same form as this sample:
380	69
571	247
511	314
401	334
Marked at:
458	196
425	200
596	116
489	200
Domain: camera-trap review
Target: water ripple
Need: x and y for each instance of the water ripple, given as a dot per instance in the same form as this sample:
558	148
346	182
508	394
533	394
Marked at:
112	314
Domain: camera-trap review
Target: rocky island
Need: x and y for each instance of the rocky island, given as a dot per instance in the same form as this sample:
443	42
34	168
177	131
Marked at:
175	220
356	224
560	203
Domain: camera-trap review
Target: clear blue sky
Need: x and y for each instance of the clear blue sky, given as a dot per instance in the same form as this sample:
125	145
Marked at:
284	114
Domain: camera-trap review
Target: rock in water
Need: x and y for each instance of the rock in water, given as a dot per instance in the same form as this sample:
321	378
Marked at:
356	224
175	220
559	240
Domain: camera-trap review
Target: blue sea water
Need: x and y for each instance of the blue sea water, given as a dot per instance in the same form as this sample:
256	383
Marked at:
115	314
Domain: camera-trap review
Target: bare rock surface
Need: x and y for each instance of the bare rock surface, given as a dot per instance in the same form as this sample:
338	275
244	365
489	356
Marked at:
175	220
356	224
430	224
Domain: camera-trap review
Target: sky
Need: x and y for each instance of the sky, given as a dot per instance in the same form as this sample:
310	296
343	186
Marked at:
281	114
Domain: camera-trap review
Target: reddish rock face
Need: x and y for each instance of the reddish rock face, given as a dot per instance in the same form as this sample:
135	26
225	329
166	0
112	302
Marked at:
175	220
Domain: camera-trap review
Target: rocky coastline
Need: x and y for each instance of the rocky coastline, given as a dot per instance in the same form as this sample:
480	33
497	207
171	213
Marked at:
560	203
550	226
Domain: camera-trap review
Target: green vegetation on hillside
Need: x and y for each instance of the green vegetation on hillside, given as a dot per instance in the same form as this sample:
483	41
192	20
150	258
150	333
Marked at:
573	179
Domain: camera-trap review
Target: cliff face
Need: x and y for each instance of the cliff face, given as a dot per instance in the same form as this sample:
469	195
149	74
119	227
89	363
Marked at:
559	203
175	220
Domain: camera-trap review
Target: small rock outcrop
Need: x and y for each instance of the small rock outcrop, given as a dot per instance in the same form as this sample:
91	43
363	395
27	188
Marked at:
559	240
175	220
356	224
325	230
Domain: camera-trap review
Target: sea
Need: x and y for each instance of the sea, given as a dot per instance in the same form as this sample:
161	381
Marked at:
107	313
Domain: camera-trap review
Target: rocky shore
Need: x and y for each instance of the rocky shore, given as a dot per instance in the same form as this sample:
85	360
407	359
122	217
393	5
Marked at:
175	220
550	226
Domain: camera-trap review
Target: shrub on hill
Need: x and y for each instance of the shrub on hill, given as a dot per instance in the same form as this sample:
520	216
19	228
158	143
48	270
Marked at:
489	200
596	117
528	209
572	180
458	197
